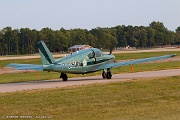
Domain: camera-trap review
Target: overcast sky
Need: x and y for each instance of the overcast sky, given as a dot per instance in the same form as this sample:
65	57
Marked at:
87	14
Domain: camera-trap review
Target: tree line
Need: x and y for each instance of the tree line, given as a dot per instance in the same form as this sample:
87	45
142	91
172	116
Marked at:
24	40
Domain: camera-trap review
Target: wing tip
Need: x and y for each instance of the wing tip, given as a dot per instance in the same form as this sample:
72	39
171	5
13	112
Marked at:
173	55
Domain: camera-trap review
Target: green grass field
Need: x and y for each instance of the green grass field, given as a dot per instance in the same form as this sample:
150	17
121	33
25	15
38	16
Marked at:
27	76
126	56
131	100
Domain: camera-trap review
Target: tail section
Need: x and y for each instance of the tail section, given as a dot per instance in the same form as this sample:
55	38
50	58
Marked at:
46	56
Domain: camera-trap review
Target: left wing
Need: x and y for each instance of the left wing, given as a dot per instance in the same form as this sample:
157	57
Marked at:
25	66
119	64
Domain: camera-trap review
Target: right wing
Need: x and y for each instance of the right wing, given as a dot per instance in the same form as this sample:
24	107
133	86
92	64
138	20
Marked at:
119	64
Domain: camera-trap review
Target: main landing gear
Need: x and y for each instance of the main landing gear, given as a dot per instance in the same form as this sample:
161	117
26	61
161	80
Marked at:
107	74
64	76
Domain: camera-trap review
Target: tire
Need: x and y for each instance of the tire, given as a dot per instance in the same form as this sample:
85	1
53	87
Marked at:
64	76
108	75
104	74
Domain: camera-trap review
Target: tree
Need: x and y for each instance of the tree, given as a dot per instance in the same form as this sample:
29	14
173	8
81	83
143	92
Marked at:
78	36
8	39
142	37
23	41
158	26
121	36
47	35
150	36
1	43
178	29
177	35
28	41
111	42
15	41
92	40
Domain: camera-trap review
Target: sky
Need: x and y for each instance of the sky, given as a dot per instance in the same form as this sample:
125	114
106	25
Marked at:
87	14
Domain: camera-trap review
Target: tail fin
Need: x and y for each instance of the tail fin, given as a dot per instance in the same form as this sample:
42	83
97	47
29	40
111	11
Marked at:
46	56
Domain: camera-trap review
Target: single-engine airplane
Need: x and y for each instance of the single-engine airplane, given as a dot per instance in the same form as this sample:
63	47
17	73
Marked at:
80	62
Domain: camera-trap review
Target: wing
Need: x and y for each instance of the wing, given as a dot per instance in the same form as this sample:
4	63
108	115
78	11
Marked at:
25	66
118	64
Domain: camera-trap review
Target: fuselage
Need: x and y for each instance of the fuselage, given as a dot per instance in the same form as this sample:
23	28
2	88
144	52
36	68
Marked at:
81	62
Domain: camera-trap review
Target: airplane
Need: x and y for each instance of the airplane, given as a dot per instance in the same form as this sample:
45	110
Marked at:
80	62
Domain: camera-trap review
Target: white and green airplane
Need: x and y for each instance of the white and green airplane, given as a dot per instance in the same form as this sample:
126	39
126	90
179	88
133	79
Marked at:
80	62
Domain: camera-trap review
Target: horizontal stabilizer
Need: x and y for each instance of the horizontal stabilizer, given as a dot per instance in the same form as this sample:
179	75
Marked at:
25	66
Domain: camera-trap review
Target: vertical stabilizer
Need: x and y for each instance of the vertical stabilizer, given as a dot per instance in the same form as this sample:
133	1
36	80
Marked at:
46	56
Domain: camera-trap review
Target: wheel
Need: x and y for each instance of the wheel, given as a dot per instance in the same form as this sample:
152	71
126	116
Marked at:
108	75
64	76
104	74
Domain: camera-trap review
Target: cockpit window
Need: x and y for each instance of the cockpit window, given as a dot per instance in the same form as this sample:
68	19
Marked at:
91	55
94	54
98	53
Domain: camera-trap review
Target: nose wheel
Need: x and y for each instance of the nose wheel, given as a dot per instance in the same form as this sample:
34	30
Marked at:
64	76
107	74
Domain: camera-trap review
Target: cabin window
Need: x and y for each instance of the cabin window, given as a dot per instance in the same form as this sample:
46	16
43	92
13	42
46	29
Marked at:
98	53
91	55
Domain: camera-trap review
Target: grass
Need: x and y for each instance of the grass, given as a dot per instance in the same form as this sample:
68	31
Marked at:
126	56
131	100
3	63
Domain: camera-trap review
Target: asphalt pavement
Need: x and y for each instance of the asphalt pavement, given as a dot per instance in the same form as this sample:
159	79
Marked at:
78	81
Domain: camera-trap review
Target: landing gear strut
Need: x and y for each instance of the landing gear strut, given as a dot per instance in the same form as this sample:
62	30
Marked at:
64	76
107	74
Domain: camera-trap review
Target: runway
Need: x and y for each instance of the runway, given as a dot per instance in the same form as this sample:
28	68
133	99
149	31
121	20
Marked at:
58	83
